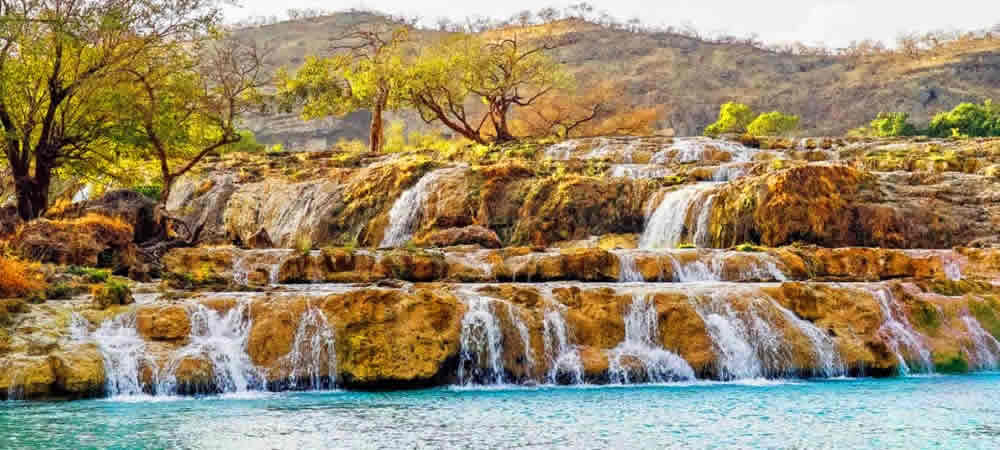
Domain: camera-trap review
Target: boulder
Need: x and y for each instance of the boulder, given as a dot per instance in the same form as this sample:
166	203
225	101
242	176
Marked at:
79	370
168	322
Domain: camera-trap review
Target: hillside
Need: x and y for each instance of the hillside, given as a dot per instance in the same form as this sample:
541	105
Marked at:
692	77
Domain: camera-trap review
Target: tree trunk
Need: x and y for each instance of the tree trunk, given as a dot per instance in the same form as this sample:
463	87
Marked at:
32	192
375	136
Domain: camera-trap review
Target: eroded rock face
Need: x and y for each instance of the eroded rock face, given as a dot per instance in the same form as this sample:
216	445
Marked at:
840	206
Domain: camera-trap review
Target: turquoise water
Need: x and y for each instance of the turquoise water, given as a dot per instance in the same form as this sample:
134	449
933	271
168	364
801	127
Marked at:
918	412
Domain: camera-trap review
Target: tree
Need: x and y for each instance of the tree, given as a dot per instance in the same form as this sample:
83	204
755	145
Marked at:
62	62
967	119
504	74
891	124
578	112
187	104
773	124
369	73
733	118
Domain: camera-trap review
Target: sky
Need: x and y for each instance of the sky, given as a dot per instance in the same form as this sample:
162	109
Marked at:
834	23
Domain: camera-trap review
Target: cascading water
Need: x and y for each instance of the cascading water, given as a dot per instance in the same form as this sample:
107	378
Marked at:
985	349
525	335
685	150
563	356
269	261
828	360
122	349
627	270
221	339
666	227
900	335
755	267
639	357
404	217
313	358
639	171
745	342
702	235
481	356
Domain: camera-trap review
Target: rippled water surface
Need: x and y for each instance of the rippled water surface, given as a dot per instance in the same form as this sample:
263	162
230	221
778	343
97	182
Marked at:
917	412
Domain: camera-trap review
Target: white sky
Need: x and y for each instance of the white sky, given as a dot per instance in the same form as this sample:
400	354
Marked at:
835	22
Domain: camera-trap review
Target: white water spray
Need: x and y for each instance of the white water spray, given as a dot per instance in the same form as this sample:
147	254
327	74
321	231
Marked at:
639	351
404	217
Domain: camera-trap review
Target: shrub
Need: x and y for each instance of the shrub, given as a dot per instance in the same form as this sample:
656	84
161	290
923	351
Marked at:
92	275
113	292
967	120
733	118
18	278
773	124
891	124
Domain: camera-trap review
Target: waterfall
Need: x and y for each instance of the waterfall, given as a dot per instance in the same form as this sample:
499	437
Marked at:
639	171
562	355
745	342
640	348
269	261
481	356
828	360
900	335
985	349
666	227
122	350
729	172
695	271
692	149
525	335
702	235
404	217
313	358
627	270
221	339
760	267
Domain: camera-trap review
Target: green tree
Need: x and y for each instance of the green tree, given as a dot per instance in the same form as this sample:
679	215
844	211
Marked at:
186	102
733	118
367	72
967	119
62	65
773	124
502	74
892	124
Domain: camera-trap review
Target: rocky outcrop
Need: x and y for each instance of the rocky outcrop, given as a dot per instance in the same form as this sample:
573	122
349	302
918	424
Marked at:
839	206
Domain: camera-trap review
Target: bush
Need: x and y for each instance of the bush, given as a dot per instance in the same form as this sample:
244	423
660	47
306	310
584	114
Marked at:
733	118
891	124
773	124
113	292
90	274
19	278
967	120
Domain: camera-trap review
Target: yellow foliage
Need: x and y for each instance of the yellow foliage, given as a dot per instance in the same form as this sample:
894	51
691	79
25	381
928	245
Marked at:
19	278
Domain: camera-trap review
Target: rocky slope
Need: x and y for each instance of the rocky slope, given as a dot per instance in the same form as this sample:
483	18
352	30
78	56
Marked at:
610	260
689	78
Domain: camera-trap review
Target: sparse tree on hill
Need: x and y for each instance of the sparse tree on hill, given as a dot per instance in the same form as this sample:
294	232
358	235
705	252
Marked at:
369	73
504	74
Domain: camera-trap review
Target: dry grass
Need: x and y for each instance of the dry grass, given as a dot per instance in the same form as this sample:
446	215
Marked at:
19	278
70	241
